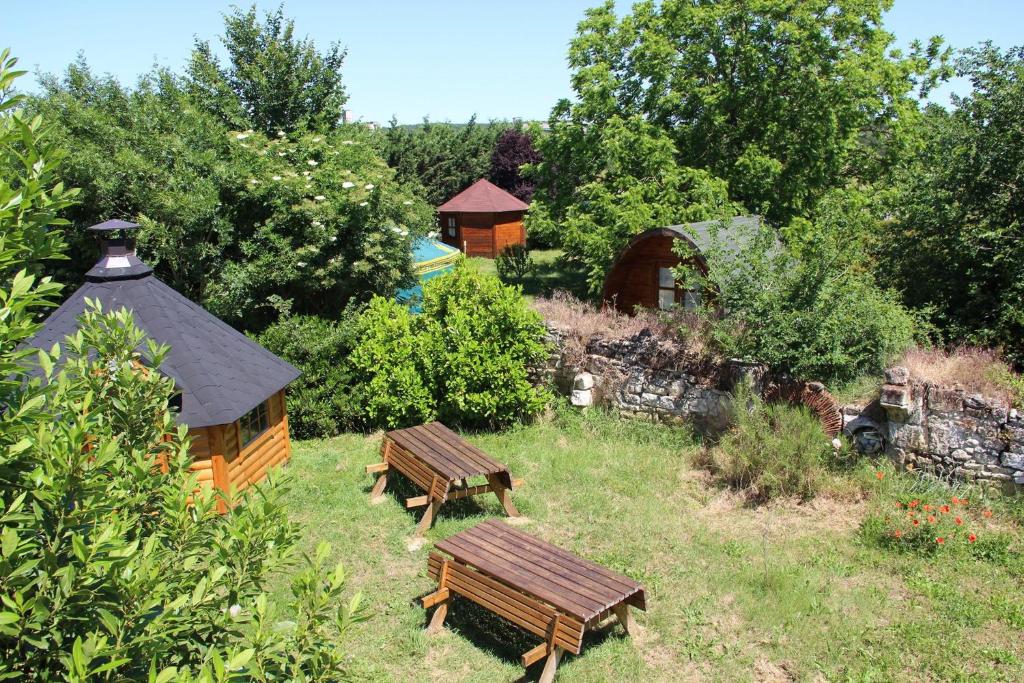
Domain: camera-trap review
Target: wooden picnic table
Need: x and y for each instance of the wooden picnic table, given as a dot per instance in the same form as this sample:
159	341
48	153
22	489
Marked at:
545	590
440	463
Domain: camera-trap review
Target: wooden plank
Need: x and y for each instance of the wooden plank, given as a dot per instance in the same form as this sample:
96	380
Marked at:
377	467
484	463
440	595
429	453
504	495
428	517
535	655
417	501
516	575
469	491
602	588
622	614
378	486
548	674
412	470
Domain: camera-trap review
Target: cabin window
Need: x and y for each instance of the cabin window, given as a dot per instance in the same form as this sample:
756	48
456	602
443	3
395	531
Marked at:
666	289
451	226
253	423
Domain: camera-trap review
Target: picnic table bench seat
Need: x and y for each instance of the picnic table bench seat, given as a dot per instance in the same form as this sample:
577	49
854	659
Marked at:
540	587
439	462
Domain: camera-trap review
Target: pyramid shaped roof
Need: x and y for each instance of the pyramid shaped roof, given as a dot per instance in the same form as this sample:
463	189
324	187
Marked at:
483	196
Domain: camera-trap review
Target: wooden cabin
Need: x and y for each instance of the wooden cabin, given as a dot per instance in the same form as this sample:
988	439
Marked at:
642	274
482	220
232	391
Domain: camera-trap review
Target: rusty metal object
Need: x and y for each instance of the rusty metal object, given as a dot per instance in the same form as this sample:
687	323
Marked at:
814	396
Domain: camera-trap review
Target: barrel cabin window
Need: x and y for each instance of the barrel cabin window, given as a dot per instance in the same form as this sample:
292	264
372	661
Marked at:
666	289
253	423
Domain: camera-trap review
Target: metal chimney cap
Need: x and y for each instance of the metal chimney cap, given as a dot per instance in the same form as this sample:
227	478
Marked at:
113	224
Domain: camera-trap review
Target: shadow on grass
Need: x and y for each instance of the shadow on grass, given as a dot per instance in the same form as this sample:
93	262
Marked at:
400	488
556	273
504	640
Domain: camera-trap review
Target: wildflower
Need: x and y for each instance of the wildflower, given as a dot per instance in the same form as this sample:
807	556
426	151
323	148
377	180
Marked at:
277	177
306	173
280	154
940	540
971	538
234	611
311	162
944	508
927	508
362	203
317	139
914	503
897	533
347	184
318	224
899	505
958	521
407	202
931	519
368	186
987	513
301	264
319	197
241	136
879	475
954	500
334	238
280	133
916	522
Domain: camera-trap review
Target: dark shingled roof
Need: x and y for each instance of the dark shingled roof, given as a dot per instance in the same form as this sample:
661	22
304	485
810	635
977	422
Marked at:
221	373
733	234
483	196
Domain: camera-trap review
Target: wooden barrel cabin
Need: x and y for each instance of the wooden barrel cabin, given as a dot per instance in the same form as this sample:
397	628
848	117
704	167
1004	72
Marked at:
482	220
232	391
642	274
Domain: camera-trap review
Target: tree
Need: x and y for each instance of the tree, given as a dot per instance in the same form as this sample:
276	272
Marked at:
443	159
274	81
955	246
783	99
236	220
513	149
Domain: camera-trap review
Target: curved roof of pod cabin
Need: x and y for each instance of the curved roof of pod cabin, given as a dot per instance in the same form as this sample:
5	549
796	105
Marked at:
221	373
730	235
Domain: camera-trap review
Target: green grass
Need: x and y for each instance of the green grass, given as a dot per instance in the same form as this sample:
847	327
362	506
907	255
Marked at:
552	272
734	593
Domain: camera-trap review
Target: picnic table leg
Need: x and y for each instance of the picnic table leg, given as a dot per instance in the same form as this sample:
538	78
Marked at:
548	674
378	487
428	517
504	495
437	619
622	614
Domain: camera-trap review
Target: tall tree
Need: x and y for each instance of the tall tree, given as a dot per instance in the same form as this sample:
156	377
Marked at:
955	245
513	149
784	99
273	80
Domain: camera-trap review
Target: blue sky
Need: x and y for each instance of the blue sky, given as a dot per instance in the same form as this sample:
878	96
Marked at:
443	59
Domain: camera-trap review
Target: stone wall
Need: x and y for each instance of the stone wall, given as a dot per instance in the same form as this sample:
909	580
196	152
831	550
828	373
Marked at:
942	430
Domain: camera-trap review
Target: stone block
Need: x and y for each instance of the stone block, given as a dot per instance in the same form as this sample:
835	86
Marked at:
1014	461
895	400
897	375
946	436
583	381
907	437
582	398
945	400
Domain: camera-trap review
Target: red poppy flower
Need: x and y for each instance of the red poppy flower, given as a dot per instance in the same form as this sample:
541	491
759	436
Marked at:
944	508
987	513
927	508
972	538
954	500
914	503
916	522
931	519
940	540
897	533
958	521
880	475
899	505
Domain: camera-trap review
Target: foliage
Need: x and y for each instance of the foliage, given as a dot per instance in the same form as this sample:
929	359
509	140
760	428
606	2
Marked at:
273	81
514	263
956	245
771	450
243	223
110	567
441	159
390	359
514	149
320	401
640	186
481	343
811	310
729	85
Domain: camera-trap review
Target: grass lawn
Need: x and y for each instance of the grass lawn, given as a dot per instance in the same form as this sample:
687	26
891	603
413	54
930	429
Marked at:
550	274
781	592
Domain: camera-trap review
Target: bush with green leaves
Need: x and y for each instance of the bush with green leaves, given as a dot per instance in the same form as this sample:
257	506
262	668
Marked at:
810	308
320	401
771	450
514	263
110	568
481	341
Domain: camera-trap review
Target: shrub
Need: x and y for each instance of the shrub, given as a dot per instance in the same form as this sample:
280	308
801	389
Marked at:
321	401
514	263
392	388
481	342
771	450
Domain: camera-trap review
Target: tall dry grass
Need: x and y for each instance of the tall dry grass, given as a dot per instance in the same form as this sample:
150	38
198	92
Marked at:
976	370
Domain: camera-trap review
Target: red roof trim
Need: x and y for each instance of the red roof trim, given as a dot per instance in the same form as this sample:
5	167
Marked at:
483	196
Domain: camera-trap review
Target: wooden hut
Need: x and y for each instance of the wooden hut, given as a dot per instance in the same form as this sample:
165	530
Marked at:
232	391
482	220
642	274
